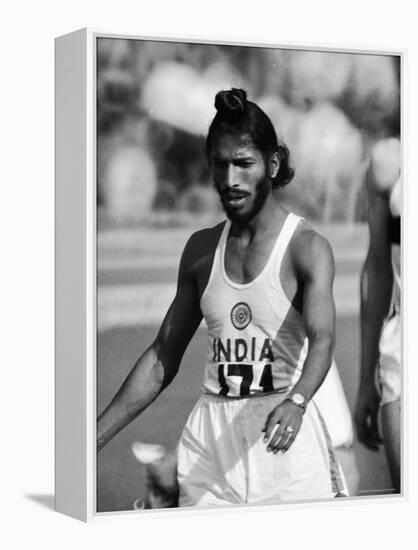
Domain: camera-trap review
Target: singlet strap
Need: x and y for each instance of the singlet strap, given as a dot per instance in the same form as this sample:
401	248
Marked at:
289	227
217	258
224	236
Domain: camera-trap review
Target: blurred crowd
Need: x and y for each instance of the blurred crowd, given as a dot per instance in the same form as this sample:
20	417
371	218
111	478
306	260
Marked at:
155	104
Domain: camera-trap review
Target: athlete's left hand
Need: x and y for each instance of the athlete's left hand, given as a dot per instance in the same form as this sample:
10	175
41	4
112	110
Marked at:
288	418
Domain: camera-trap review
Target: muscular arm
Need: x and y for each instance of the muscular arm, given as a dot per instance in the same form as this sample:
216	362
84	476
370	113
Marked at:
376	285
158	365
315	268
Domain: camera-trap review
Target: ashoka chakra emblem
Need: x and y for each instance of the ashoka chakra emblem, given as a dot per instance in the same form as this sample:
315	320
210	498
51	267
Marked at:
241	315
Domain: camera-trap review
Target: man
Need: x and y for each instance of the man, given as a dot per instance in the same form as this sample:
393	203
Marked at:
380	305
262	280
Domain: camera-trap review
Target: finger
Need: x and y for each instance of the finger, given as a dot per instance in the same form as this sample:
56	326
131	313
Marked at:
270	433
371	430
365	434
279	445
276	438
272	421
367	438
272	418
374	447
289	435
286	443
372	441
374	428
285	421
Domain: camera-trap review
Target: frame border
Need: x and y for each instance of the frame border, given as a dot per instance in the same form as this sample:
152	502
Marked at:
76	459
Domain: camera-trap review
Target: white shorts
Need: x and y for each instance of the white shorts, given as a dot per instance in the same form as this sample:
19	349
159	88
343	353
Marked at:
222	458
389	371
332	402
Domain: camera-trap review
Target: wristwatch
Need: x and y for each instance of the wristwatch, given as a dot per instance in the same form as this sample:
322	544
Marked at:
299	400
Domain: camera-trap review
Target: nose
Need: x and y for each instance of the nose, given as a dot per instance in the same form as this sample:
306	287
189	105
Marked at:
231	176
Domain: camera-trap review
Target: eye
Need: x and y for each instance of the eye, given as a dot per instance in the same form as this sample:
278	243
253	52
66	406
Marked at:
244	163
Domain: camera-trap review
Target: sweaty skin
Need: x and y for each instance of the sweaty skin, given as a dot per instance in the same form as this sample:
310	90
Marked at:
242	177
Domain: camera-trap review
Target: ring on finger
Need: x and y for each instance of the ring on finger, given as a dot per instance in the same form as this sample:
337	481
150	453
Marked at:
289	429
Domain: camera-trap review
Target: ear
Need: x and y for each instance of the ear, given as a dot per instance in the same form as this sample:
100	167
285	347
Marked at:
273	165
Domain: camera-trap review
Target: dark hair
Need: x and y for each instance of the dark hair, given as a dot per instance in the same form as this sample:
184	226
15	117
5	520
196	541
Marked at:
236	115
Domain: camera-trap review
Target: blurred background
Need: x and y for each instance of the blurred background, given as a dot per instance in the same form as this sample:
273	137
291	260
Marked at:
154	106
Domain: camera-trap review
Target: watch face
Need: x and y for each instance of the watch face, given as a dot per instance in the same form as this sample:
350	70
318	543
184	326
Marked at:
298	399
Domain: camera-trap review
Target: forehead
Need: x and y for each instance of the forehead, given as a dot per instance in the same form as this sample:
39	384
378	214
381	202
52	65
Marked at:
234	146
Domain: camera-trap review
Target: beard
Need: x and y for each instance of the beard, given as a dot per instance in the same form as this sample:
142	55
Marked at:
261	193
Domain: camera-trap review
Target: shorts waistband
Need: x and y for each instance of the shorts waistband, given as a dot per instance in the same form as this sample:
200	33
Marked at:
281	392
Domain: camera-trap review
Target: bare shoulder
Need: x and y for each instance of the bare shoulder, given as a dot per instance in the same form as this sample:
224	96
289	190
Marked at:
201	244
385	165
311	251
204	239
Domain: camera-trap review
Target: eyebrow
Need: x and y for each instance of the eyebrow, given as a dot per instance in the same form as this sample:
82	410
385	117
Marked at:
238	157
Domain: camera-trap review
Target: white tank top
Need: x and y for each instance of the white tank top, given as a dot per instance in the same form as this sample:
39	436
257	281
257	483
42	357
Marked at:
257	340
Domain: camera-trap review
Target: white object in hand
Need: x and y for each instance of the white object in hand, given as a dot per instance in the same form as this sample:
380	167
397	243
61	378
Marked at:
147	453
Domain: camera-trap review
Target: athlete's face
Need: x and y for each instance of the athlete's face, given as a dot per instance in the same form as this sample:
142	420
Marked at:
239	174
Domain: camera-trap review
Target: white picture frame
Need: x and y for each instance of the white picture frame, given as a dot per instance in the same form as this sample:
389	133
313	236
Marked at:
76	269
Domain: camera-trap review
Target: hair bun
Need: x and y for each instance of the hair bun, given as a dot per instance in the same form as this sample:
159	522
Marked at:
231	103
